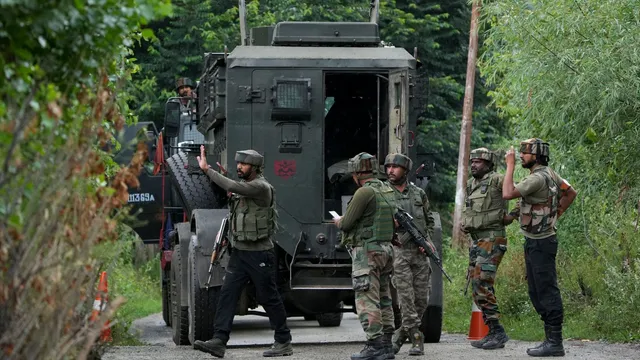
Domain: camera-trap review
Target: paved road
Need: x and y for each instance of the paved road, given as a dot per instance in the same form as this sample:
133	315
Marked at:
252	334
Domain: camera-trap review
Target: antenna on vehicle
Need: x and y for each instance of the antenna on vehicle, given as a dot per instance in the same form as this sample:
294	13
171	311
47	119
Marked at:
374	12
243	22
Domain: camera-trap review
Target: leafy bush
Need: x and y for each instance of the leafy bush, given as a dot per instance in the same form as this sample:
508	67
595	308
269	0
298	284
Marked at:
59	193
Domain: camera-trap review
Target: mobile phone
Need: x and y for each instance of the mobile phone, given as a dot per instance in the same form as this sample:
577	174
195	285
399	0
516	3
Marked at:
334	214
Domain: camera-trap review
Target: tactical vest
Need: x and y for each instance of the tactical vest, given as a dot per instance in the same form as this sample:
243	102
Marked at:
373	230
541	217
413	205
250	221
480	212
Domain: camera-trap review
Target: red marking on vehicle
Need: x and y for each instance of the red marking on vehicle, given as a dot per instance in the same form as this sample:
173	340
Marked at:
284	168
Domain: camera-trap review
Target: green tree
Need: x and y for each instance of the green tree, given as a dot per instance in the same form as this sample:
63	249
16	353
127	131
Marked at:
63	63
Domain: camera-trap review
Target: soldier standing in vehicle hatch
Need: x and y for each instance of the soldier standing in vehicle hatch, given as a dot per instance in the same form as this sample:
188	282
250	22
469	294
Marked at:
545	196
252	225
368	228
484	219
184	89
412	269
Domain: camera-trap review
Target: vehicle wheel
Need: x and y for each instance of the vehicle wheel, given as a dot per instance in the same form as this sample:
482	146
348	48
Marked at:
166	295
179	313
431	325
202	304
196	190
330	319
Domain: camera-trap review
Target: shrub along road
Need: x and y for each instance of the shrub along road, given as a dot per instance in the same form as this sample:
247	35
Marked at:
252	334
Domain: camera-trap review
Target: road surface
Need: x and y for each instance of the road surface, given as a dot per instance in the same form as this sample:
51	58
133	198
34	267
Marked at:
251	335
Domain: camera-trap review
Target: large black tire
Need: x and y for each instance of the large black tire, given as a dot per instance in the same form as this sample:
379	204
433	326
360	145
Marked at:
202	304
165	279
330	319
196	190
431	325
180	313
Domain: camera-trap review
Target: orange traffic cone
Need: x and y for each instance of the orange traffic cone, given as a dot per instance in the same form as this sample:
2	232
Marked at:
99	304
477	329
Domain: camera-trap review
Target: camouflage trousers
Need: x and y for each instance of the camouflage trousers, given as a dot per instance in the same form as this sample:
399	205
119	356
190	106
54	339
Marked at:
485	257
371	279
411	275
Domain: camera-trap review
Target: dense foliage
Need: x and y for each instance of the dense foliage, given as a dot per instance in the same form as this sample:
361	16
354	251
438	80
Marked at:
63	63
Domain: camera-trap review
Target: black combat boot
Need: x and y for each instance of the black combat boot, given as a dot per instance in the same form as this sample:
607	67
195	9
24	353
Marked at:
552	346
373	350
398	339
417	342
547	331
478	343
388	345
498	338
215	347
279	349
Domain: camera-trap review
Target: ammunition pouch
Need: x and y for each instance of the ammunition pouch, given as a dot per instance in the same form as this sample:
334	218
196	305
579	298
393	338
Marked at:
360	279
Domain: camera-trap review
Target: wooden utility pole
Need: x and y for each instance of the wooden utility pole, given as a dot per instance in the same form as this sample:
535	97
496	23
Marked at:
458	237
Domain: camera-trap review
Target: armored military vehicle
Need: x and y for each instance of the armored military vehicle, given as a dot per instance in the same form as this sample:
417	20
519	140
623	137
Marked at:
308	96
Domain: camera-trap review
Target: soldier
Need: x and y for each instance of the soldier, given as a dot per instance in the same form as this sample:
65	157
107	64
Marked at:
484	219
252	225
411	268
184	87
545	196
368	228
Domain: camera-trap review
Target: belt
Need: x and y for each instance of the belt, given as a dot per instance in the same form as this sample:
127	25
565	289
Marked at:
477	235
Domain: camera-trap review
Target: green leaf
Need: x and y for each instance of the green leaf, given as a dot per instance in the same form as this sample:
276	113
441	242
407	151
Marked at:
15	221
148	34
591	135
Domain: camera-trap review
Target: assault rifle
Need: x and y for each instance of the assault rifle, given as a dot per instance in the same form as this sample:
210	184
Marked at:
406	221
219	246
466	287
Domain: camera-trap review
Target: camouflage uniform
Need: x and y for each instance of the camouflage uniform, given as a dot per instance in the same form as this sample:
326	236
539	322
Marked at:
367	229
483	219
411	268
541	192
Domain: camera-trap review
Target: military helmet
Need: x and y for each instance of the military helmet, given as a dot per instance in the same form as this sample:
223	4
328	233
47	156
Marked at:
398	159
363	162
251	157
484	154
184	81
535	146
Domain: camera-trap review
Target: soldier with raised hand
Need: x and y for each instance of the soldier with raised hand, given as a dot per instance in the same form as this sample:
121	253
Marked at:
368	229
412	269
545	196
484	219
252	226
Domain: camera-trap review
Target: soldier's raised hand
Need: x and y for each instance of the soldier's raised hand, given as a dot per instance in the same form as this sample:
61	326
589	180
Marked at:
510	157
202	159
